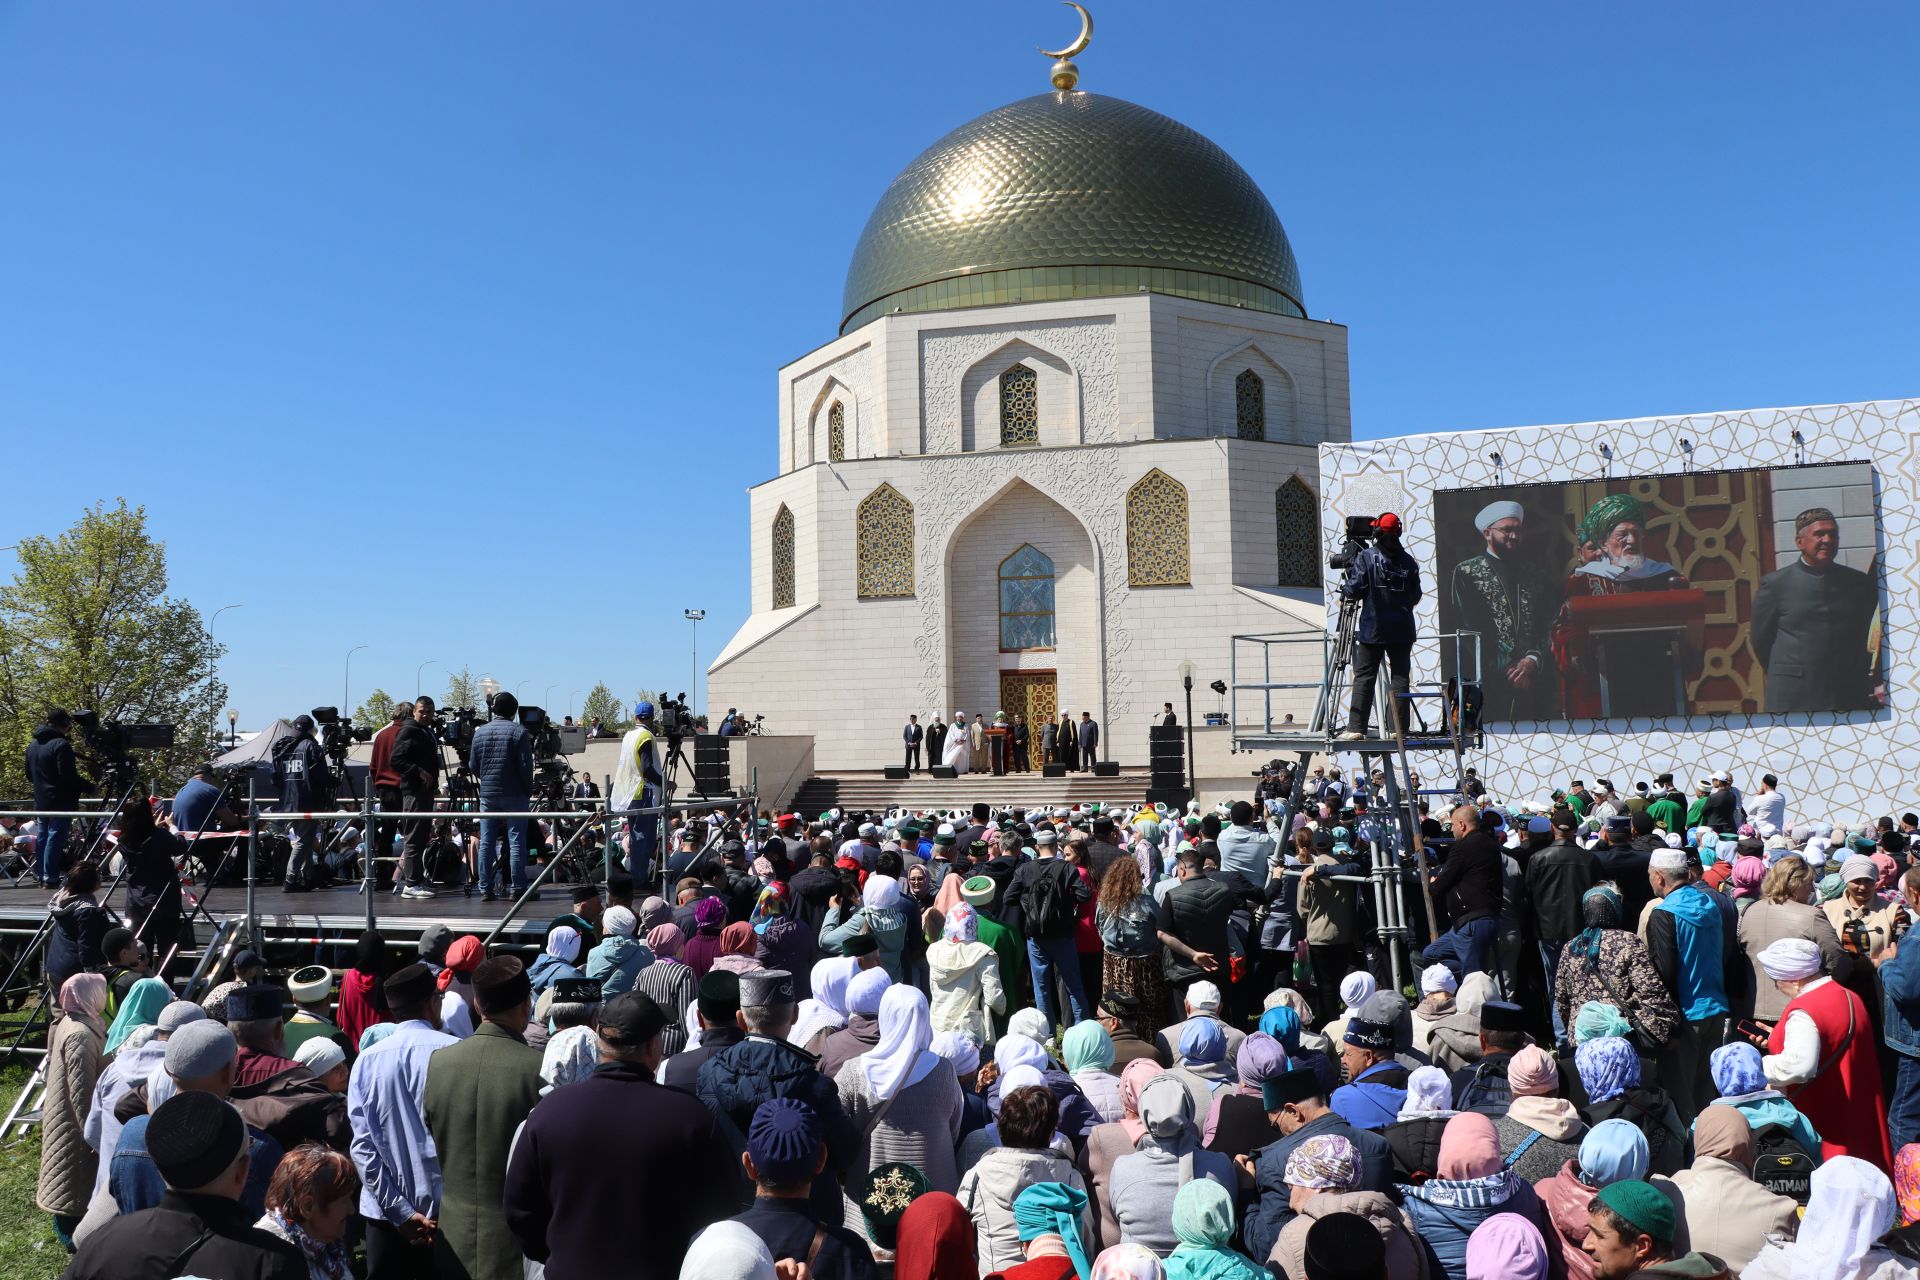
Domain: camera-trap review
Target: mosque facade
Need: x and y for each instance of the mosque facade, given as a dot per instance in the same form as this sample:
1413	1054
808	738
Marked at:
1064	441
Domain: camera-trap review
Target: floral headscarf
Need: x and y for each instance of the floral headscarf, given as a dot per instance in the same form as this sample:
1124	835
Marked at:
1608	1068
570	1055
1906	1183
1327	1162
709	914
1128	1262
768	907
963	924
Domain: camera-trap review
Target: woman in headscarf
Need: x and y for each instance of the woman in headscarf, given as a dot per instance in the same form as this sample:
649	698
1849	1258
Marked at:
1507	1247
1541	1130
1786	909
963	1055
903	1098
1848	1214
1453	1039
1748	875
1610	1073
738	943
964	975
1728	1214
1203	1070
1437	988
824	1012
1283	1023
865	990
145	999
1610	963
74	1056
783	941
1107	1143
570	1056
1613	1151
1127	919
1203	1224
1236	1121
1824	1049
1323	1179
1025	1159
1355	990
1471	1186
1742	1083
669	983
1048	1219
727	1251
1168	1154
363	1001
882	913
620	955
703	948
1128	1262
1414	1136
935	1240
1087	1052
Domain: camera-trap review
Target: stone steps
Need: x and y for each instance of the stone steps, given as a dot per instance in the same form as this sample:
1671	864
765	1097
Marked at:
874	790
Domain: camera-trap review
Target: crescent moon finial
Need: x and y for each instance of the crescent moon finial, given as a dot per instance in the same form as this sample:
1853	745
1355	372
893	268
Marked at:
1064	74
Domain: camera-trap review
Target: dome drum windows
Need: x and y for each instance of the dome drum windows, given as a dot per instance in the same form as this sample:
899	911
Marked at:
1157	550
1250	406
1019	407
837	432
883	545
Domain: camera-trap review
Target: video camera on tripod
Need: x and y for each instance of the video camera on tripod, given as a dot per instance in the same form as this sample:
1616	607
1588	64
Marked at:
674	717
338	733
1361	531
110	746
552	775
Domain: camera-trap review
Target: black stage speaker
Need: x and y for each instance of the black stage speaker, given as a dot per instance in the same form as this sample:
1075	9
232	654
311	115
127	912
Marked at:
897	773
1175	798
712	764
1106	768
1166	756
946	772
1053	769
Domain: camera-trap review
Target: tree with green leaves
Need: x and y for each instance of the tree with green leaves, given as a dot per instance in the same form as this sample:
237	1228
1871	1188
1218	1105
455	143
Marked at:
463	690
87	624
376	711
601	705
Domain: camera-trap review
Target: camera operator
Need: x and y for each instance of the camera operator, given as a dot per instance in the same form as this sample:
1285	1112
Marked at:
501	759
416	761
638	784
385	781
55	776
1386	582
306	786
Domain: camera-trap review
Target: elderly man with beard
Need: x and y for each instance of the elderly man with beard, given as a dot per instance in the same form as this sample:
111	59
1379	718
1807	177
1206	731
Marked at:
1510	604
1612	544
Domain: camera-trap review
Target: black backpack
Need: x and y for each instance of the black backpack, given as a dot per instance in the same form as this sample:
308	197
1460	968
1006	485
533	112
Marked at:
1781	1164
1050	909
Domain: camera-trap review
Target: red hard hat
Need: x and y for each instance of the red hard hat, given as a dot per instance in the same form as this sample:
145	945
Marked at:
1388	523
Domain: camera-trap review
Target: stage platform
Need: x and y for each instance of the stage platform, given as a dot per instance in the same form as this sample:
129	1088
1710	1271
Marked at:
854	790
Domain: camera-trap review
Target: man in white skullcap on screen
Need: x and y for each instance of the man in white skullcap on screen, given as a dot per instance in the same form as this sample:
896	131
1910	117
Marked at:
1510	602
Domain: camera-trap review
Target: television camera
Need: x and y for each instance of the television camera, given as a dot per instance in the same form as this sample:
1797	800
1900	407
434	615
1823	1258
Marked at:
673	716
552	744
338	733
1361	530
110	746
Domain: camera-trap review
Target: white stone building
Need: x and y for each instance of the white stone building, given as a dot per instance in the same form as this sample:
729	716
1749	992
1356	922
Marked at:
1065	440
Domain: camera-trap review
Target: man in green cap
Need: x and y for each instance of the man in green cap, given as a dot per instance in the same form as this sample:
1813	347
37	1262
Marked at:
1611	541
1630	1230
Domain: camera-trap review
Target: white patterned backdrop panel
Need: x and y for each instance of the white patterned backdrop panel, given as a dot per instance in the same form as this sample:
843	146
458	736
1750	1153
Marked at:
1840	766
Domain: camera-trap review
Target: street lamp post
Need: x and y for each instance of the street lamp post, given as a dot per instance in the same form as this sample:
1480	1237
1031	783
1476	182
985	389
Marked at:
694	616
217	612
570	698
488	687
417	671
233	728
346	682
546	698
1186	681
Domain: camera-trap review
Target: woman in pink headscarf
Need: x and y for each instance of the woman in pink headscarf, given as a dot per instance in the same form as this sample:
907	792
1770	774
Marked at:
1749	872
739	946
1106	1143
704	947
74	1055
669	983
1471	1186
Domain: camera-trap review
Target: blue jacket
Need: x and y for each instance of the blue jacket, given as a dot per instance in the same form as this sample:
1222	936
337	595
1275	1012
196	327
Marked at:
617	962
1900	985
1271	1211
734	1082
1373	1100
1388	587
1445	1213
501	757
548	969
135	1183
300	771
1687	941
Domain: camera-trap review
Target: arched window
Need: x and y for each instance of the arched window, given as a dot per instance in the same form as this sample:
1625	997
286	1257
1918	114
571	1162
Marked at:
1296	514
884	545
1026	601
1157	532
1019	406
836	432
1250	406
783	559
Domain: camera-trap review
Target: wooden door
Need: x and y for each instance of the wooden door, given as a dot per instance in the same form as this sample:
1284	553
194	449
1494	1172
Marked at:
1033	694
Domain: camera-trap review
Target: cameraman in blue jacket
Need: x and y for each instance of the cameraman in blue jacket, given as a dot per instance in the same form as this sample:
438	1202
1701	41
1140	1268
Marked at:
1386	582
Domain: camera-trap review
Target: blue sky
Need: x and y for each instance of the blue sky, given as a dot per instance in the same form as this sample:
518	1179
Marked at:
408	322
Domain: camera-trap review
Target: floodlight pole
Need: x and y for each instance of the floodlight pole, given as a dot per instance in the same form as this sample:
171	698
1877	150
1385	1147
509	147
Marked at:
695	616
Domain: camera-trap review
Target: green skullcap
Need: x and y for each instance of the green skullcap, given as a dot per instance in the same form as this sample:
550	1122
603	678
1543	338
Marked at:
1608	512
1642	1206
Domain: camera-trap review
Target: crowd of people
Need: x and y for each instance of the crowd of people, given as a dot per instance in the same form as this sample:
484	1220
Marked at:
1652	1033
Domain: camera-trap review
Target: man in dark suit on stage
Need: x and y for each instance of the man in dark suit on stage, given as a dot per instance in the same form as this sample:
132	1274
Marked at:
1810	625
911	736
1089	740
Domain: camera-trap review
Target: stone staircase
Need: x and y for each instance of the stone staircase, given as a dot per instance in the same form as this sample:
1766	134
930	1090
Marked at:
858	790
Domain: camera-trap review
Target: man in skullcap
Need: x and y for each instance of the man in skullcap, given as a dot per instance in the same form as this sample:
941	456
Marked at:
1822	1054
1612	542
1811	623
1509	601
786	1151
1631	1227
1693	951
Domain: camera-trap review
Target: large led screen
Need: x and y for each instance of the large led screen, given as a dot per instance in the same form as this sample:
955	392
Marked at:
1671	595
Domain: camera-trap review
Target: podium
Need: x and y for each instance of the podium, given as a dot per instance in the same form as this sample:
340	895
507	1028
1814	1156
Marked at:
1635	652
999	747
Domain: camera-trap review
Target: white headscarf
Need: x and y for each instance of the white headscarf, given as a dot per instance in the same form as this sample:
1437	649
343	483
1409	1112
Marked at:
826	1009
882	893
1791	959
1474	993
619	921
867	990
1031	1023
1437	977
1020	1077
571	1055
1429	1093
1851	1206
958	1048
727	1251
1013	1050
564	942
1356	989
904	1055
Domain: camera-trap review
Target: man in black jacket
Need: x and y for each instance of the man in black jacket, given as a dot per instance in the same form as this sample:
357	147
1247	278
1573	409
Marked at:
1043	903
1558	877
1624	862
786	1151
501	759
1195	921
1469	886
306	785
416	759
55	776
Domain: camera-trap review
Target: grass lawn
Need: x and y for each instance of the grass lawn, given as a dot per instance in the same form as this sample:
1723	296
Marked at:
28	1250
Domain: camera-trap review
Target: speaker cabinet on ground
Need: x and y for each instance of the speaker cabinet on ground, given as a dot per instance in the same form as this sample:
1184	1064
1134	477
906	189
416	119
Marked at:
1106	768
897	773
1053	769
1173	797
945	772
712	764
